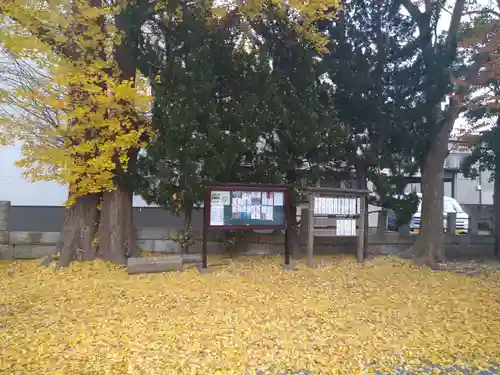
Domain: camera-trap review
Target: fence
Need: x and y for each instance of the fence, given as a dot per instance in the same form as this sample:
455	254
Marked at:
29	244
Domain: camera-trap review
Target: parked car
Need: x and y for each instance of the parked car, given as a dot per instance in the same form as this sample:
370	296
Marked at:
450	205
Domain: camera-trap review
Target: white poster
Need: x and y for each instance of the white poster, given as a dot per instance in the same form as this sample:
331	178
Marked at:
270	199
216	215
352	209
220	197
336	206
329	209
346	227
267	213
278	198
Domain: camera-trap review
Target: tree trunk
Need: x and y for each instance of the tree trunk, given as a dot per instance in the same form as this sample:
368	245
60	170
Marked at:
430	244
496	208
77	235
293	243
292	237
131	247
116	231
188	213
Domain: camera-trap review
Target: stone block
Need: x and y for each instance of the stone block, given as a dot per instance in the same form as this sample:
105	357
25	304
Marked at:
154	233
391	238
4	215
386	248
33	238
32	251
166	246
146	245
212	247
272	238
144	265
4	237
262	249
191	258
6	252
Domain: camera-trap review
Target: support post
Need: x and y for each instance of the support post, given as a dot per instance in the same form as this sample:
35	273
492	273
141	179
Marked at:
473	224
361	230
206	218
310	230
287	204
451	224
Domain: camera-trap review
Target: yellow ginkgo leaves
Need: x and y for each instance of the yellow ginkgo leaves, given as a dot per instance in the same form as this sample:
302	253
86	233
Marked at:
93	318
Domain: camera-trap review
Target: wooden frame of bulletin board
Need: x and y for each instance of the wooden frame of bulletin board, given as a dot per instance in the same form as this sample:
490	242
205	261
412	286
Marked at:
245	207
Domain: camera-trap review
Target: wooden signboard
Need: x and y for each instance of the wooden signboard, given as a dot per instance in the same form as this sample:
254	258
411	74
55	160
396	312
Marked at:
244	207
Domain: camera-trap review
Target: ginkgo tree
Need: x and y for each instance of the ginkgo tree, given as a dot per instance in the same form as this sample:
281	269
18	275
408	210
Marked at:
100	112
85	52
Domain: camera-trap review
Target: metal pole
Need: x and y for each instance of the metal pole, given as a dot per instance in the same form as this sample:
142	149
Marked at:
310	230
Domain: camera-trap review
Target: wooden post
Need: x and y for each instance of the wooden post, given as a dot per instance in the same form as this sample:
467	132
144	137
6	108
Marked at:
206	223
286	205
310	230
361	230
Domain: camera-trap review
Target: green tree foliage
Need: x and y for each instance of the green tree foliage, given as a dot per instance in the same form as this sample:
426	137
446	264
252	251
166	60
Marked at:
370	47
231	107
206	95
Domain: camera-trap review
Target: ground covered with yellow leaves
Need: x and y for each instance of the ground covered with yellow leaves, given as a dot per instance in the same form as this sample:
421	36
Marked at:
249	314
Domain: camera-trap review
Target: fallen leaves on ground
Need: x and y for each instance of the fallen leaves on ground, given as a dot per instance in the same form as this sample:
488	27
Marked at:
93	318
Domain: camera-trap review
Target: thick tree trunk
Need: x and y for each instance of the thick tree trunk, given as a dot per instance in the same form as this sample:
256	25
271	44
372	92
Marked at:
116	231
78	232
429	245
496	208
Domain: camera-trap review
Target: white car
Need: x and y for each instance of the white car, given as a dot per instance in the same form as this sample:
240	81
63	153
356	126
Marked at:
450	205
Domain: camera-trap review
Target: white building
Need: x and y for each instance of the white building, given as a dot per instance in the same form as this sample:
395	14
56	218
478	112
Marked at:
14	188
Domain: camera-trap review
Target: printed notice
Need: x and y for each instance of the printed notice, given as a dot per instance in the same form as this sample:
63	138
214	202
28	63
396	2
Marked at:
329	209
220	197
346	228
216	215
352	208
267	198
316	205
267	213
336	206
278	198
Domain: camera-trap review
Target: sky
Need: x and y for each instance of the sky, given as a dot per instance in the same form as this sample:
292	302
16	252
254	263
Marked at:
14	188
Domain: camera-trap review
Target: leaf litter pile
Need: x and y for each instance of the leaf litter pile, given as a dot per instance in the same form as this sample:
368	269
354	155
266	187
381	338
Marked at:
248	315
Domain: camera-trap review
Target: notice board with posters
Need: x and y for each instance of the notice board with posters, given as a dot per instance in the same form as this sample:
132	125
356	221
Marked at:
241	208
245	207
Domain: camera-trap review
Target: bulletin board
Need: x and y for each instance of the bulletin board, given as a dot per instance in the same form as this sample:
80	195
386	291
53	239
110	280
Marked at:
245	207
241	208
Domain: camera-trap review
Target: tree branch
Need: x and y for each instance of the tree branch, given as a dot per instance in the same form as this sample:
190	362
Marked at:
456	17
415	13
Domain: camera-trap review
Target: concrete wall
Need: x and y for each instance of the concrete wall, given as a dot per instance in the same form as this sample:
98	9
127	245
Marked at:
157	226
